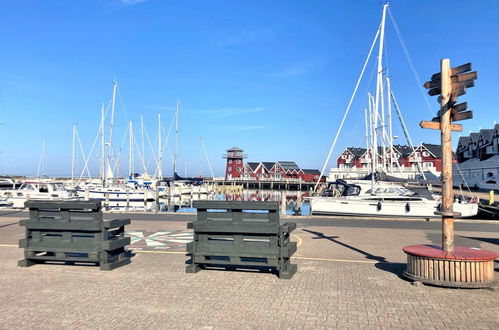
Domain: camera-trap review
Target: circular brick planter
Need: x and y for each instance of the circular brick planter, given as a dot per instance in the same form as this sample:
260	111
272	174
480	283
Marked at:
466	267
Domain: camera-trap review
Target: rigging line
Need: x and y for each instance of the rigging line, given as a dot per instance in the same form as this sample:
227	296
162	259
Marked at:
150	146
83	155
117	155
404	129
144	168
91	150
122	104
166	145
348	107
409	60
167	137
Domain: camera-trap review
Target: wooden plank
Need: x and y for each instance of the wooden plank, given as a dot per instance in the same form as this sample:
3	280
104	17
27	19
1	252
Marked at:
453	71
436	126
431	272
446	265
452	274
455	109
468	271
441	271
462	116
464	277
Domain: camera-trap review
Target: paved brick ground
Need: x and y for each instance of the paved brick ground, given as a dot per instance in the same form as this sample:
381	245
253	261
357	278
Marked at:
155	292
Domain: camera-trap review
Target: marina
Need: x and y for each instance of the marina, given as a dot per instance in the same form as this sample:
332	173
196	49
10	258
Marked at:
249	164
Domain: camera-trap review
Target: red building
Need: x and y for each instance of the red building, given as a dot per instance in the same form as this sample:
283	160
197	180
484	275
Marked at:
234	165
427	155
265	170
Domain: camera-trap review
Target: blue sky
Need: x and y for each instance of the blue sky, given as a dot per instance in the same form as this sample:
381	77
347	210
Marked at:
272	77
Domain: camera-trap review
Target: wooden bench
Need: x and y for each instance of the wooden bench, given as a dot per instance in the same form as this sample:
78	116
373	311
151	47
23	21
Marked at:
241	235
73	232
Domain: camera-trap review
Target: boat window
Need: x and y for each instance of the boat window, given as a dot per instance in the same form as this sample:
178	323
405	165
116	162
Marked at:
26	186
58	187
43	188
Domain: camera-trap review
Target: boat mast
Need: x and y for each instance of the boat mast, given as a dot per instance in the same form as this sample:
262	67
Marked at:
379	89
102	145
73	155
142	141
366	125
390	129
130	153
111	123
176	155
160	156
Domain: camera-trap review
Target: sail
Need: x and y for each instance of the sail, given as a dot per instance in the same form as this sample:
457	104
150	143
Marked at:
109	172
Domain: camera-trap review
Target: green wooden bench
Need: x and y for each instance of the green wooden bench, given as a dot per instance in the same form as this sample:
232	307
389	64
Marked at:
73	232
241	235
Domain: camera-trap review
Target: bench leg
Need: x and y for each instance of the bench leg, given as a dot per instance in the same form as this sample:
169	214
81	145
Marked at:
192	268
286	270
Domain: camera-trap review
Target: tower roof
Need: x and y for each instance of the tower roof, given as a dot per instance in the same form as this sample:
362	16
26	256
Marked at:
235	149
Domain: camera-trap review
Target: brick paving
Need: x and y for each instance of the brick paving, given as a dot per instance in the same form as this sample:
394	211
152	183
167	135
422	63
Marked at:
155	292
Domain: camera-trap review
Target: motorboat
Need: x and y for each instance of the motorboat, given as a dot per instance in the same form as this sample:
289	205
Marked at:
37	190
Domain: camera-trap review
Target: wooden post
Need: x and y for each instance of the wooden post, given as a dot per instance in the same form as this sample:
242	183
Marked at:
106	203
128	199
156	197
445	127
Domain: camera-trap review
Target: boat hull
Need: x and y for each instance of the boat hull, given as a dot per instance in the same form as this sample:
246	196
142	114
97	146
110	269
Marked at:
383	208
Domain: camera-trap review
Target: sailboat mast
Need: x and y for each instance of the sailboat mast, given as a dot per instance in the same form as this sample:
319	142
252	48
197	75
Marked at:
73	155
111	123
175	156
367	132
390	128
102	145
130	152
160	155
379	86
142	140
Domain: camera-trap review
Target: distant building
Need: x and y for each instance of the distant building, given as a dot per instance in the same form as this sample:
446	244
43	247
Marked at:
400	160
234	166
280	170
478	160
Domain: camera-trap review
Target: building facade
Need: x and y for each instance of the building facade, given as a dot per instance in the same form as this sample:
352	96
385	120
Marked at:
398	160
478	160
268	171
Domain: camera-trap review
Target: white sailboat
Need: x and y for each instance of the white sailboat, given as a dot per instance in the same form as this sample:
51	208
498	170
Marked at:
112	191
374	197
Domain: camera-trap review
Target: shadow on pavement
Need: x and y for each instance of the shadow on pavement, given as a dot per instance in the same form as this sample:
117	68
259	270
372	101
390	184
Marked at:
10	224
484	239
333	239
391	267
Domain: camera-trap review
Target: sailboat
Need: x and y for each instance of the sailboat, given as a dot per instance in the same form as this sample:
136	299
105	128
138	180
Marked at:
110	190
380	195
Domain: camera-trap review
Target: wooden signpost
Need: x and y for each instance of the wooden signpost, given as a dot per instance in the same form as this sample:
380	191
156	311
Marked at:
447	265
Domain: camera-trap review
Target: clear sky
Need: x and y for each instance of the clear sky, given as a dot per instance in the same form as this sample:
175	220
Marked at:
271	77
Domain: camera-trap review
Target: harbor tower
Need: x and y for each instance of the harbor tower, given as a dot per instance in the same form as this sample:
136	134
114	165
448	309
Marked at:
234	166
